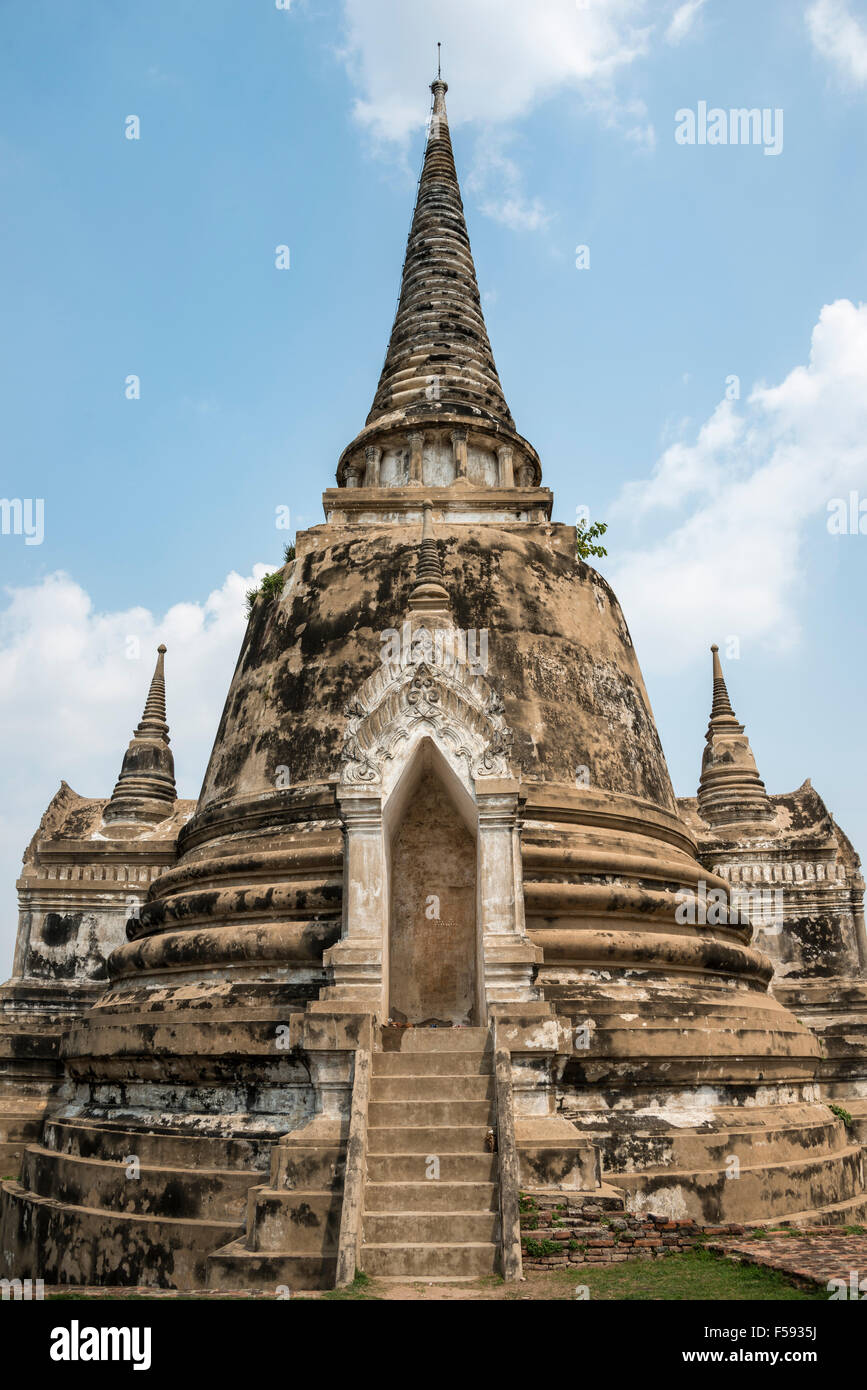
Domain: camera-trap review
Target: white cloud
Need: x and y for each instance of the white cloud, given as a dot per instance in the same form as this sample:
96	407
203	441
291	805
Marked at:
500	57
70	698
840	37
724	522
496	181
683	20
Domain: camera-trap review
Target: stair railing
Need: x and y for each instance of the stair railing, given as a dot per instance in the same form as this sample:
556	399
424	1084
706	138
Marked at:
352	1211
507	1158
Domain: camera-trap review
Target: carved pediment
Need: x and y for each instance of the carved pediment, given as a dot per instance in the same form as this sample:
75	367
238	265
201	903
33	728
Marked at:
445	699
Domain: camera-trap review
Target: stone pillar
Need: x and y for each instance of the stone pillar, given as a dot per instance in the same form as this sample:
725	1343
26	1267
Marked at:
22	943
353	475
372	455
416	444
508	957
357	960
525	475
507	473
459	447
860	930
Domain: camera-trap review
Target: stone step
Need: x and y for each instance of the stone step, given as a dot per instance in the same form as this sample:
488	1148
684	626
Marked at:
281	1221
414	1167
236	1267
776	1134
432	1064
773	1188
426	1139
208	1194
154	1251
466	1261
430	1227
398	1113
408	1040
434	1195
430	1088
95	1139
853	1210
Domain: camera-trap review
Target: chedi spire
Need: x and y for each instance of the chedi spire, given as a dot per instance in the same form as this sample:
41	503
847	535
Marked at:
730	789
145	789
439	415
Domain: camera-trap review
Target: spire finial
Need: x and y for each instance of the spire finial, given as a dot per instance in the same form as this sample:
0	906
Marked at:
154	716
721	706
439	69
145	789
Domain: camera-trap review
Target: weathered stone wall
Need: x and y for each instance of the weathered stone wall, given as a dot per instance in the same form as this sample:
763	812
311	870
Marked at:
799	878
559	652
800	883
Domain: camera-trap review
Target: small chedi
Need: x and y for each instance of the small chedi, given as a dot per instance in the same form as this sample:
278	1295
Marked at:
86	873
437	932
793	873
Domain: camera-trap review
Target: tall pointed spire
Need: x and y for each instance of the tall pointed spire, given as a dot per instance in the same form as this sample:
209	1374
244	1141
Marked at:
730	790
439	398
145	789
439	353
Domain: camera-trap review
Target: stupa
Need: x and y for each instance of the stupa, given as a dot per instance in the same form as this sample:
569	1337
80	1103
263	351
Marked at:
794	873
422	947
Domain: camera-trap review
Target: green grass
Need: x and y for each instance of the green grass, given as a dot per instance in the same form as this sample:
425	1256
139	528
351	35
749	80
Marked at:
696	1274
360	1288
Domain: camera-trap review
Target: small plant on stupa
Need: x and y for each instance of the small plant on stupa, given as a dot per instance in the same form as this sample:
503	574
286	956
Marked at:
841	1115
586	537
288	553
270	588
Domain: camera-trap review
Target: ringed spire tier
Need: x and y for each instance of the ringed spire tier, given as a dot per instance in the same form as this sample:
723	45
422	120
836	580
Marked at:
730	790
439	416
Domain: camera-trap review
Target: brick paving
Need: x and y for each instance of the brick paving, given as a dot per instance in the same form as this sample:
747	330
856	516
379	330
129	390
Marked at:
818	1254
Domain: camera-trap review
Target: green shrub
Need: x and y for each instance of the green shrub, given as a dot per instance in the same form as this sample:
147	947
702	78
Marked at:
270	589
842	1115
586	536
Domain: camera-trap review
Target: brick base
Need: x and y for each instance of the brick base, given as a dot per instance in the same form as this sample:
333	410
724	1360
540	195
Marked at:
559	1229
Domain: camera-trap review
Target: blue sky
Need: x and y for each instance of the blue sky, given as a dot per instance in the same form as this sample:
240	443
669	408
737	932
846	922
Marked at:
263	126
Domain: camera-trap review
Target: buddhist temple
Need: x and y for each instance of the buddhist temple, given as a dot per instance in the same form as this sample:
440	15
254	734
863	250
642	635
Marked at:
417	951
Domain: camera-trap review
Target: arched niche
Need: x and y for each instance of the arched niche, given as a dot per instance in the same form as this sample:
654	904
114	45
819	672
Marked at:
430	825
434	730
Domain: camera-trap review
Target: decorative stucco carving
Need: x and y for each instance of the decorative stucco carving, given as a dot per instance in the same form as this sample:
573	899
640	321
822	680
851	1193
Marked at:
434	694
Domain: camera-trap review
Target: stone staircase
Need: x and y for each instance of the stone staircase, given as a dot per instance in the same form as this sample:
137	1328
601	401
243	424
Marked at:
431	1197
187	1198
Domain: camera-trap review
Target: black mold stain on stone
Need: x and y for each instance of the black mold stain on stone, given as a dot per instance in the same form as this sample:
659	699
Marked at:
59	930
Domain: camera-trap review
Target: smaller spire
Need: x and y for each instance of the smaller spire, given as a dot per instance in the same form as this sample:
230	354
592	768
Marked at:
145	789
430	594
730	790
154	716
430	569
721	702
